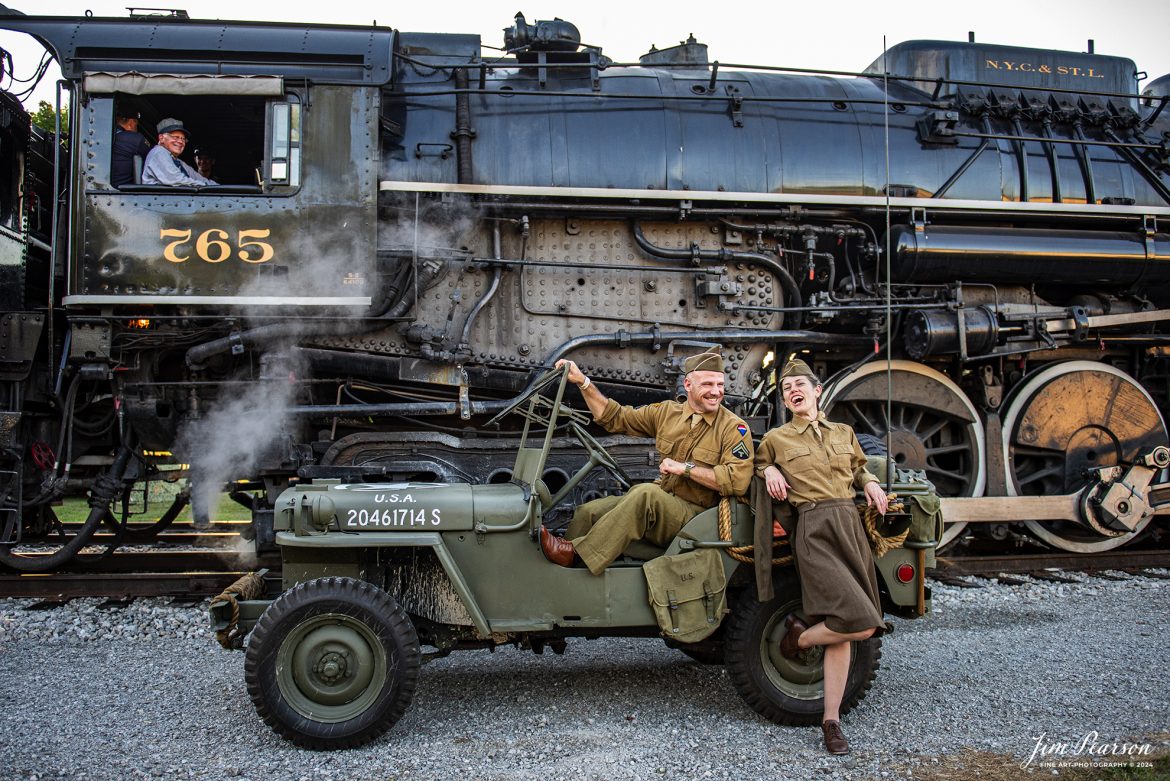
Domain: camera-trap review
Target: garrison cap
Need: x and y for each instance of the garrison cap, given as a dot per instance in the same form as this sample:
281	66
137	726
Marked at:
798	368
172	125
703	362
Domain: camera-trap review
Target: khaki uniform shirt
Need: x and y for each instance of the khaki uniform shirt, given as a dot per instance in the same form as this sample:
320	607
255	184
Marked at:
817	468
719	440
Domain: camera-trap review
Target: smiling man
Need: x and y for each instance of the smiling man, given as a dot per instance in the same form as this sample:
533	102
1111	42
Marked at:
163	164
704	452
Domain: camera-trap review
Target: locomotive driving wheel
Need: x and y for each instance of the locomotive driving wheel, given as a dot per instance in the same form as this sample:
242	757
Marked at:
1065	420
931	424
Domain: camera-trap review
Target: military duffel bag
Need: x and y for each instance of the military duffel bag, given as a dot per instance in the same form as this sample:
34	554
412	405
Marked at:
688	593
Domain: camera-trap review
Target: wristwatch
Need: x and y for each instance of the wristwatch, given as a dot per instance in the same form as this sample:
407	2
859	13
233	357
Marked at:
687	467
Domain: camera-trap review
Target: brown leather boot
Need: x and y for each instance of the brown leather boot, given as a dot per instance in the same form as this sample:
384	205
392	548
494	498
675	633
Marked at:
835	740
555	549
793	629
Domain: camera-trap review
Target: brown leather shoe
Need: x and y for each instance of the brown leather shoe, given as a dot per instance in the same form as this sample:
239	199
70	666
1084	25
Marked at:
555	549
835	740
793	629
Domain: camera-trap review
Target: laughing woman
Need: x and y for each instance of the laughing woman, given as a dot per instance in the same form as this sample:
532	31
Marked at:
816	465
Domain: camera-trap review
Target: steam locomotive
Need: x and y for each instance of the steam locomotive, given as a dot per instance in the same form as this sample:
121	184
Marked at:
965	240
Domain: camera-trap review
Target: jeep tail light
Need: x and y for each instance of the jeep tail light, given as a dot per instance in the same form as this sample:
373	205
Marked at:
905	573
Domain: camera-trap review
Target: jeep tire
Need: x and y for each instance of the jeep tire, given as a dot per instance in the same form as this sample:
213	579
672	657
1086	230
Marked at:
783	690
332	663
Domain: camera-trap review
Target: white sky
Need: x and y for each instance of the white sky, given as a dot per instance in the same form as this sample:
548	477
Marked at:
832	34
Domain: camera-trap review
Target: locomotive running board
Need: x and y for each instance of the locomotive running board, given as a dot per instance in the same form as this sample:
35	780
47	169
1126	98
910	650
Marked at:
802	199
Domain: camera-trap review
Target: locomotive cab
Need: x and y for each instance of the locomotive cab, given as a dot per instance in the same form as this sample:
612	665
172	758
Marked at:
272	122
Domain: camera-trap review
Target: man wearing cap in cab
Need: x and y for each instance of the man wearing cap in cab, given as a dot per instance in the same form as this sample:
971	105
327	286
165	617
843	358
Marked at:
704	452
816	465
128	144
163	165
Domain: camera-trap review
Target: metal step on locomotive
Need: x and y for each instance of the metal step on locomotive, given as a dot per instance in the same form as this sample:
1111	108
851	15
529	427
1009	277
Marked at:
405	232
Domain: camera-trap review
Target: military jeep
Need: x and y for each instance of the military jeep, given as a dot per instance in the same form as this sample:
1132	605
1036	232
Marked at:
373	572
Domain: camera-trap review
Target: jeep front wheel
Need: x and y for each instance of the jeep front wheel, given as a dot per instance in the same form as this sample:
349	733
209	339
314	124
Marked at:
332	663
780	689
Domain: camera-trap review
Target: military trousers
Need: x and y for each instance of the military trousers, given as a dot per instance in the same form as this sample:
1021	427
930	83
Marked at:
602	529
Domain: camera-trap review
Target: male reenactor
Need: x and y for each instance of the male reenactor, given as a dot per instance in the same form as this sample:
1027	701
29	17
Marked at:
704	450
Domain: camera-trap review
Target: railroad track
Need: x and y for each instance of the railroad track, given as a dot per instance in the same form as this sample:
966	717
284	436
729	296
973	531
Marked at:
155	573
1047	562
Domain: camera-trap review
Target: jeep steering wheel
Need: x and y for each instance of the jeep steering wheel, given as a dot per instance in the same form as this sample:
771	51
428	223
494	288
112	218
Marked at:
599	454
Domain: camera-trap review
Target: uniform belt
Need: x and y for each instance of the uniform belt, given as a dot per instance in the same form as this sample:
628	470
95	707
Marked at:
809	506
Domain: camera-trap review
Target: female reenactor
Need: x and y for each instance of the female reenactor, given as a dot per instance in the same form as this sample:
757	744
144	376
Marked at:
816	465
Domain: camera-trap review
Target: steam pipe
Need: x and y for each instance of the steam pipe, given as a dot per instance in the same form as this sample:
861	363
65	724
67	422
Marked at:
1086	164
397	408
725	256
729	335
1050	153
491	291
1021	158
198	355
463	132
393	290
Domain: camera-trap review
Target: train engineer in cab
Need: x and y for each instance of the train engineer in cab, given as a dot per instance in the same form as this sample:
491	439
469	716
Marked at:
163	164
816	464
705	452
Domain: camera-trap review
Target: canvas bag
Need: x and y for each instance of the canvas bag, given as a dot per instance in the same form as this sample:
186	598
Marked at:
688	593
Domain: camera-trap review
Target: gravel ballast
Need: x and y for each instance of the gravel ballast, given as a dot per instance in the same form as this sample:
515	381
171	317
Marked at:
144	692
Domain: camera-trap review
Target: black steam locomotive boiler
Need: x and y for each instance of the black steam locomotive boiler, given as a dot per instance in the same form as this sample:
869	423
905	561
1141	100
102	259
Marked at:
967	241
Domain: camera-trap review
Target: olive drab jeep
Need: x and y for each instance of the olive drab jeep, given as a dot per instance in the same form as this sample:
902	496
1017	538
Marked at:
372	572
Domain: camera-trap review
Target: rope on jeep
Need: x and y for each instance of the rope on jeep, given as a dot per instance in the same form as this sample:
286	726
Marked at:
745	553
870	517
247	587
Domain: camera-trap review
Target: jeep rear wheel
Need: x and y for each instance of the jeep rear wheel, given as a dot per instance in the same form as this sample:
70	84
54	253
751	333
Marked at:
332	663
784	690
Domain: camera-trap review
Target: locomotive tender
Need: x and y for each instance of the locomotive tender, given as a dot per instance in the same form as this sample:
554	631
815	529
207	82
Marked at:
407	231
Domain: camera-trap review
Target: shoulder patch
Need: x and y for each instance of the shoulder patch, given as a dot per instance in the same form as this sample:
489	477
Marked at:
740	450
742	429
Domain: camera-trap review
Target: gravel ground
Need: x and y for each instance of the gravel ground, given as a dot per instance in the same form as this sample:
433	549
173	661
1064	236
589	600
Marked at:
144	692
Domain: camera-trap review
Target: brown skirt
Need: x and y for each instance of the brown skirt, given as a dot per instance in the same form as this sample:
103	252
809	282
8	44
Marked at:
835	565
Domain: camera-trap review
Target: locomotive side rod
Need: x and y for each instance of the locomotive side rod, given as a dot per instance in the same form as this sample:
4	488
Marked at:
1115	503
1008	509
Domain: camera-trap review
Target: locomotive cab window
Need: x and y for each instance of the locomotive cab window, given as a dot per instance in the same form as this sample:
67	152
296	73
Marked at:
210	135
